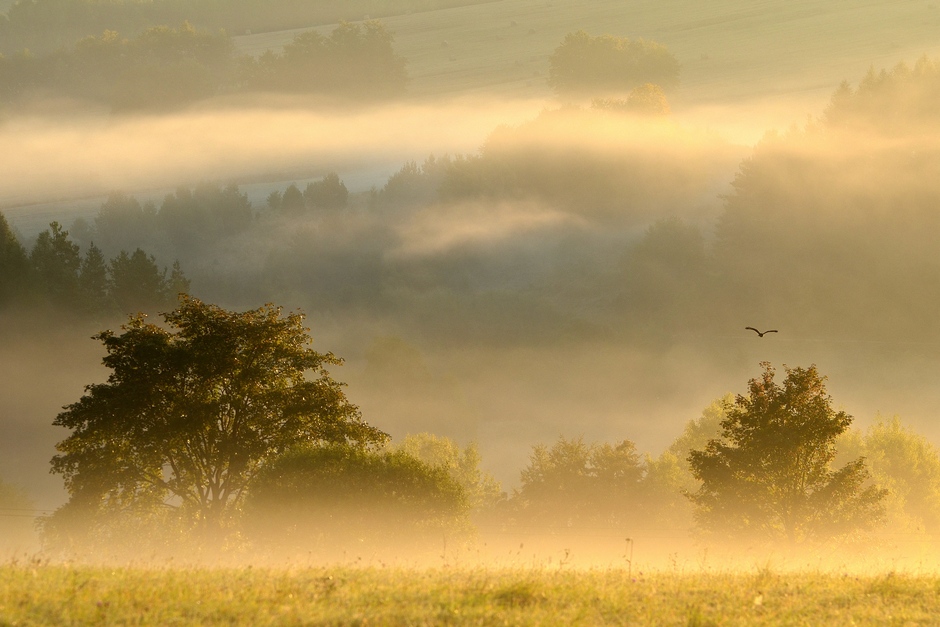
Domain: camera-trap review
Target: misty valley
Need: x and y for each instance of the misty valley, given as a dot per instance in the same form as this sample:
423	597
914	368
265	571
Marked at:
512	310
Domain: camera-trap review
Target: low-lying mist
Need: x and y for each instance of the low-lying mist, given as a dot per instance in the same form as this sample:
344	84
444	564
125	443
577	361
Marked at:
574	273
66	155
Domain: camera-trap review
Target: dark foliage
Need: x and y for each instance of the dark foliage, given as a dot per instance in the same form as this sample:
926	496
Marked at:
164	68
191	411
769	475
355	60
56	276
47	25
330	499
586	65
574	485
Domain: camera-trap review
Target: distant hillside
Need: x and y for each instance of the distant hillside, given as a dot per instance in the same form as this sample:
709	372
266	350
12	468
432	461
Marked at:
729	49
46	25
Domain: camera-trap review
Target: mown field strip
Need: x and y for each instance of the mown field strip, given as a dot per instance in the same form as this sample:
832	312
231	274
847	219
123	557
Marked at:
58	595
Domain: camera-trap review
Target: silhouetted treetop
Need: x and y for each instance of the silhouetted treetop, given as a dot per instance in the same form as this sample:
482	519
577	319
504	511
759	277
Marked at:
769	475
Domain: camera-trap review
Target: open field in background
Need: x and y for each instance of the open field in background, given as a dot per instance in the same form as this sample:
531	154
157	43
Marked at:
788	56
56	595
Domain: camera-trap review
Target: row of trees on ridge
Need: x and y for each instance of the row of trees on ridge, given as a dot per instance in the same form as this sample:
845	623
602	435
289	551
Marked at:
165	68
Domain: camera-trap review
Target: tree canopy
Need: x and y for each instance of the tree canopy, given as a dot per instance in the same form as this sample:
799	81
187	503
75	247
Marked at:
769	473
331	498
576	484
193	408
608	64
354	60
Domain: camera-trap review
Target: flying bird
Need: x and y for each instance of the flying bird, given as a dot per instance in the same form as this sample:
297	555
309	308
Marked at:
761	333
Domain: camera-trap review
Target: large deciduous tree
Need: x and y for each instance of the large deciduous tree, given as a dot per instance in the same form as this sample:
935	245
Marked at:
769	474
191	411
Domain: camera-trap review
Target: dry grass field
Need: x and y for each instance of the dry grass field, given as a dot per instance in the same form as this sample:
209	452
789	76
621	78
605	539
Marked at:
66	595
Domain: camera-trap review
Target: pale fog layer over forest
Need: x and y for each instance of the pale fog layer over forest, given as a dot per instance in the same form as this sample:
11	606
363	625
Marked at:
499	256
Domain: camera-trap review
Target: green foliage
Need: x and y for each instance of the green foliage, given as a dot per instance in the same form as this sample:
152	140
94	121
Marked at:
338	498
574	484
356	60
46	25
583	64
56	260
161	68
327	193
188	224
908	466
77	286
851	195
769	475
647	99
289	203
14	265
582	161
896	99
669	478
191	411
136	283
94	288
167	68
415	185
482	491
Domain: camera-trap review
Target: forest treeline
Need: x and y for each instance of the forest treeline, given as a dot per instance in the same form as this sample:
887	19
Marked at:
55	276
45	26
164	68
810	211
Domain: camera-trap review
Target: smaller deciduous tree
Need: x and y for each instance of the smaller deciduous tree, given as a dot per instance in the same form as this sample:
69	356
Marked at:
572	484
462	464
769	473
331	499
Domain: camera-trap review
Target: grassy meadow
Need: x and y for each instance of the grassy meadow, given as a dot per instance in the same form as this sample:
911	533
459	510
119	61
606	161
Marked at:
59	595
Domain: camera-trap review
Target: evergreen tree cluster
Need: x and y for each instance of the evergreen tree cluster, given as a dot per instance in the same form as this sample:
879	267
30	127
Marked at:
56	274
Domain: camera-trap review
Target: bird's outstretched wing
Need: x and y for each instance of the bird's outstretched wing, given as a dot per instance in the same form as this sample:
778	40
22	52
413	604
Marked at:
761	333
